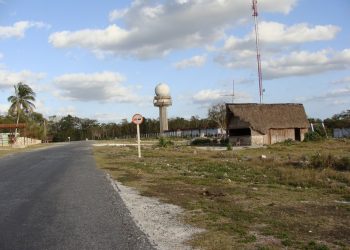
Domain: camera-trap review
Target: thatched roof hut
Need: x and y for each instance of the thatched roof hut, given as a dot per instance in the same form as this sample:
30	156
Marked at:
264	118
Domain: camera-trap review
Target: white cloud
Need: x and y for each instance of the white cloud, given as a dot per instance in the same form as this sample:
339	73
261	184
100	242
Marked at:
240	53
277	6
182	1
103	86
273	33
42	107
277	40
18	29
153	12
245	81
68	110
117	14
4	108
345	80
196	61
206	96
155	28
9	78
306	63
335	97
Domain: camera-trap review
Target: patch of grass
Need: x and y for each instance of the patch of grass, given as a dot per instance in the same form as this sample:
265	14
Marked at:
245	201
165	142
315	246
201	142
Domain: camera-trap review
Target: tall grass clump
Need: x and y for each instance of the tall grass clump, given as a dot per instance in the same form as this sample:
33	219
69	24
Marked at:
320	161
164	142
312	136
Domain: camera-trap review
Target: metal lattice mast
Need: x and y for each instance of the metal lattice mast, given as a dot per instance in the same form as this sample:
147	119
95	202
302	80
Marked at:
255	14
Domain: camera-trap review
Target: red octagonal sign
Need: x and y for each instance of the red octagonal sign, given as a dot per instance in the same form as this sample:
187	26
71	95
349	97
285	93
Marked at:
137	119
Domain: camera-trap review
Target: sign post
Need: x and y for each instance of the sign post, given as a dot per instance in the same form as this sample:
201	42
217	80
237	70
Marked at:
138	119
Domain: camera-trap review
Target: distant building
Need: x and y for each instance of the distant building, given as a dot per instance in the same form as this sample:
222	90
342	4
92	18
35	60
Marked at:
259	124
206	132
341	132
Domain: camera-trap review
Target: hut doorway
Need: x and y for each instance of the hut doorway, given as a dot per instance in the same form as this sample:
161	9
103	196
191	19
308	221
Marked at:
297	134
240	132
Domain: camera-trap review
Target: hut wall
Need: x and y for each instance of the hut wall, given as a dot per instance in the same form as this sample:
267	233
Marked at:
280	135
239	140
258	138
303	131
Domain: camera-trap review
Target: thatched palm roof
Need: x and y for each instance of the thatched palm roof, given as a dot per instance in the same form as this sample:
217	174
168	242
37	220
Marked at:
262	117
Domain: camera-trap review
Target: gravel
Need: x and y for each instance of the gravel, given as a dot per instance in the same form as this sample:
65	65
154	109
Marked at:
159	221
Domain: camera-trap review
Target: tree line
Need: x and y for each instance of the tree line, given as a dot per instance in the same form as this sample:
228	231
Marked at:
61	128
75	128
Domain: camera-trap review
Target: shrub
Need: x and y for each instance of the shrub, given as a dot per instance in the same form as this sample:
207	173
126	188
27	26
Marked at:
312	136
316	246
163	142
201	142
342	164
224	141
288	142
321	161
229	146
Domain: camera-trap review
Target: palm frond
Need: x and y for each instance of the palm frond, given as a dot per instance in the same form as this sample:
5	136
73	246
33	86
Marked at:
22	100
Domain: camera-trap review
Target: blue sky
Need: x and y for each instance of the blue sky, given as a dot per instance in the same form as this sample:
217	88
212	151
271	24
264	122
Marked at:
102	59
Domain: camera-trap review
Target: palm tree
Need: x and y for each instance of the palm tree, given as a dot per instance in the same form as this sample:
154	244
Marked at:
22	101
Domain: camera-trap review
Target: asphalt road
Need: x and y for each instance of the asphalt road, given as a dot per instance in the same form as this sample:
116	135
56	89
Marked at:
55	198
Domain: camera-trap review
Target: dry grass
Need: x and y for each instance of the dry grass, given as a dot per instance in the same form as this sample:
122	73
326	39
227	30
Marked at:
243	201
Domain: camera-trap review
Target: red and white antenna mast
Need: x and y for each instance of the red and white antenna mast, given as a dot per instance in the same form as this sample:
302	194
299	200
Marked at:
255	15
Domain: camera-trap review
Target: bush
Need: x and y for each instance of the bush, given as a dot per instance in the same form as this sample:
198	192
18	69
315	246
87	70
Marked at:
229	146
316	246
163	142
312	136
342	164
288	142
201	142
321	161
224	141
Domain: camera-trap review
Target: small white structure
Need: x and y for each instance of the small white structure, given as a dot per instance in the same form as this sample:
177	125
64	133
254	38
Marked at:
19	142
206	132
162	100
341	132
4	139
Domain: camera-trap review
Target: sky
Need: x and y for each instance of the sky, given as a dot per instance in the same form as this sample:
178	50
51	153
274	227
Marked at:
102	59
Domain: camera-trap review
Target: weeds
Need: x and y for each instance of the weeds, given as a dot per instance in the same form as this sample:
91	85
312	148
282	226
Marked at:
315	246
201	142
320	161
243	201
312	136
164	142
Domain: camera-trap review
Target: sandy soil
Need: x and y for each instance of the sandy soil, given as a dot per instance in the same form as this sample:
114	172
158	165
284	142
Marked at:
159	221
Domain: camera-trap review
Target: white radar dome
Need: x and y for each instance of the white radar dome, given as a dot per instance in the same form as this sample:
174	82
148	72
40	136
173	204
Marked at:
162	90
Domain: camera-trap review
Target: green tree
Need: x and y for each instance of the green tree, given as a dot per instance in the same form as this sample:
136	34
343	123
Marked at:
341	120
22	101
217	114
